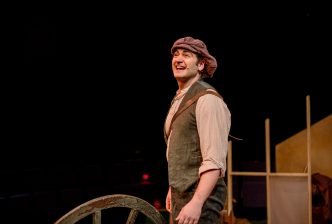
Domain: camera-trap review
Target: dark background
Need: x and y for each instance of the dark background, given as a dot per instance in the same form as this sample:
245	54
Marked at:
87	111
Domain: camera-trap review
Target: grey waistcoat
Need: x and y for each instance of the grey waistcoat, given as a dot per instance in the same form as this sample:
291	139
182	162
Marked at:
184	155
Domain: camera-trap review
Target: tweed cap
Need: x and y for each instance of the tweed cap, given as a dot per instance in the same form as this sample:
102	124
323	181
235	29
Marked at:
198	47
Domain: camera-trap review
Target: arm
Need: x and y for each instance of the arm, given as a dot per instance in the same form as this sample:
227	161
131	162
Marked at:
193	209
213	124
168	200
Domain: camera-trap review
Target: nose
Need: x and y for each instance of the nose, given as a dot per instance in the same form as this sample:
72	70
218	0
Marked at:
178	60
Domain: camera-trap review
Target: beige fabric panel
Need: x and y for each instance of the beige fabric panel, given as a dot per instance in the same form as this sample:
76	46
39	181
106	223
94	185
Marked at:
291	154
289	200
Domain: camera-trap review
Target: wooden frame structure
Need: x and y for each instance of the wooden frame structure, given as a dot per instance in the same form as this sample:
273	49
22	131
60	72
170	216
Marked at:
268	174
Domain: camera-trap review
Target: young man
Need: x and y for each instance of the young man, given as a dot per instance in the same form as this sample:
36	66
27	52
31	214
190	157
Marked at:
196	132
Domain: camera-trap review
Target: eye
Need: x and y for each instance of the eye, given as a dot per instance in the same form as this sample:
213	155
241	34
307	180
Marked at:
186	54
176	53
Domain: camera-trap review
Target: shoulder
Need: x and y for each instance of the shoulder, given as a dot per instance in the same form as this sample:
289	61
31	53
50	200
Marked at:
211	96
204	85
211	93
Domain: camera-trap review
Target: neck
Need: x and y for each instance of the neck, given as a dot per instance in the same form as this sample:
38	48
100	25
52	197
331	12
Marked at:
186	83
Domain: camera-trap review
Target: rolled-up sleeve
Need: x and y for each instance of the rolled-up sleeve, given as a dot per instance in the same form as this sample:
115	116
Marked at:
213	123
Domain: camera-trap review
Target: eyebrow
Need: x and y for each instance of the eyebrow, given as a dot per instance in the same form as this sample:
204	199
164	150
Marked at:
184	50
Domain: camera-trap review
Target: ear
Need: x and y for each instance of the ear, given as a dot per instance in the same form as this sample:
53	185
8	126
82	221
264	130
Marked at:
201	65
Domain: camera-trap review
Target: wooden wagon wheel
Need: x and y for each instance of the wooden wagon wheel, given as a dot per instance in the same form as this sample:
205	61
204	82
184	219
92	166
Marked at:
95	206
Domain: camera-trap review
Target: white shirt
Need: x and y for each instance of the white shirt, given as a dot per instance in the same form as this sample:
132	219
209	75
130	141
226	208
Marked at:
213	124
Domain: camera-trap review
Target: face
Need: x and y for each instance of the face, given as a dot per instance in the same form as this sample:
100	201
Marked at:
185	65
